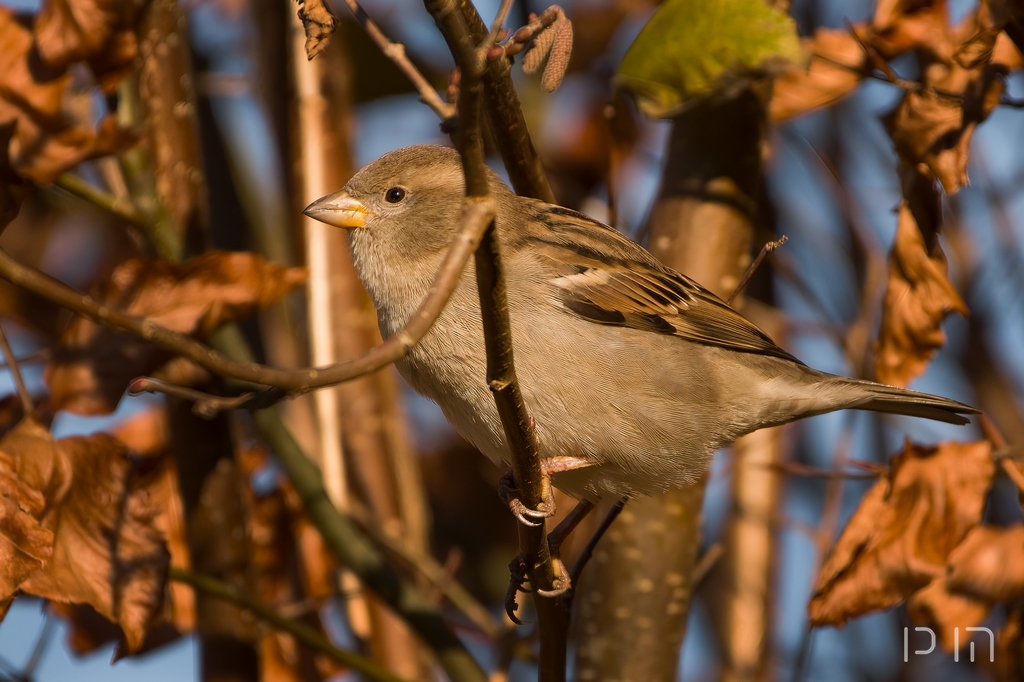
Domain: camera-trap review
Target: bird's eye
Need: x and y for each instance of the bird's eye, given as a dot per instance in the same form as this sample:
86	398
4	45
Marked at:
394	195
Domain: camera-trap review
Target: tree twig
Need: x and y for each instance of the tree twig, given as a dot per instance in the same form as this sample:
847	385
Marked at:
396	53
588	549
706	562
436	574
523	445
752	268
456	18
522	37
476	216
358	554
499	19
297	629
76	186
19	382
204	404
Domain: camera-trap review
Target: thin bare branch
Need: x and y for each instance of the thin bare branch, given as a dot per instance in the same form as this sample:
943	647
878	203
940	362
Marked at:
752	268
434	573
19	382
798	469
520	40
300	631
464	32
499	19
477	214
74	185
456	18
396	53
915	86
588	549
706	562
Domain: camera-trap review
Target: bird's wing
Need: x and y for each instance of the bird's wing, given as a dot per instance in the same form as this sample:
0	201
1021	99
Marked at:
603	277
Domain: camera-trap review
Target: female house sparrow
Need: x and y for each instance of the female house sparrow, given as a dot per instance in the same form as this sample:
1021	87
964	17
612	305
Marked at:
634	373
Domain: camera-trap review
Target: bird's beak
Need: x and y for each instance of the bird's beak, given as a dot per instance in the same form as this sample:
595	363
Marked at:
338	209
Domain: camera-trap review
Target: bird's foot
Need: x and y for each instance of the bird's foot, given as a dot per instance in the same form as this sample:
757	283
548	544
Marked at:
508	491
509	494
516	582
560	584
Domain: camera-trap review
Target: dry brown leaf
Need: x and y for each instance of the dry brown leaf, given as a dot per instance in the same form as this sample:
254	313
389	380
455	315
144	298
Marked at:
106	550
319	23
93	363
100	32
836	67
47	141
146	436
932	127
1006	54
908	24
898	540
989	563
12	188
945	611
918	298
1009	663
25	545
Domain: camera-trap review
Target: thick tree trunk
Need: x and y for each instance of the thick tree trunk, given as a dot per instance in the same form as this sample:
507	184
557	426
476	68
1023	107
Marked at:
636	594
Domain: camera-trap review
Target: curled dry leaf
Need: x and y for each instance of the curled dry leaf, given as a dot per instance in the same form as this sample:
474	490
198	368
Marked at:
93	364
99	32
147	436
898	540
900	25
836	66
932	127
918	298
106	550
319	23
46	141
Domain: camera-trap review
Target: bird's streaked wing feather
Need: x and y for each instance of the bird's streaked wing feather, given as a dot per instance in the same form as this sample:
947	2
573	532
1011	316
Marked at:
626	286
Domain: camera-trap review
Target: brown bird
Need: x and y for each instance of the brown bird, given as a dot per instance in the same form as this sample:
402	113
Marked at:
634	373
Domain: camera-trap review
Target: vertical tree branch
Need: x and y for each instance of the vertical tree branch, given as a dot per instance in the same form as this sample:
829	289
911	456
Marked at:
357	552
701	224
524	449
167	99
362	413
207	476
456	18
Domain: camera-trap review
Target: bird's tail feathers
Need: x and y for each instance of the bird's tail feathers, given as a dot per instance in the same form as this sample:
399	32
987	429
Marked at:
895	400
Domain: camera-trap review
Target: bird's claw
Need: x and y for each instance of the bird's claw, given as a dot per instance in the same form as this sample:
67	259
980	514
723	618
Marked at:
531	518
561	583
516	582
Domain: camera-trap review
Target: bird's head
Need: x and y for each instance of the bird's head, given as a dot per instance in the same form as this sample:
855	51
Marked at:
401	213
409	199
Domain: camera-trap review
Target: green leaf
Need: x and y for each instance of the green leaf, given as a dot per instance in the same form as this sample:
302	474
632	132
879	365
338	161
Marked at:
694	48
